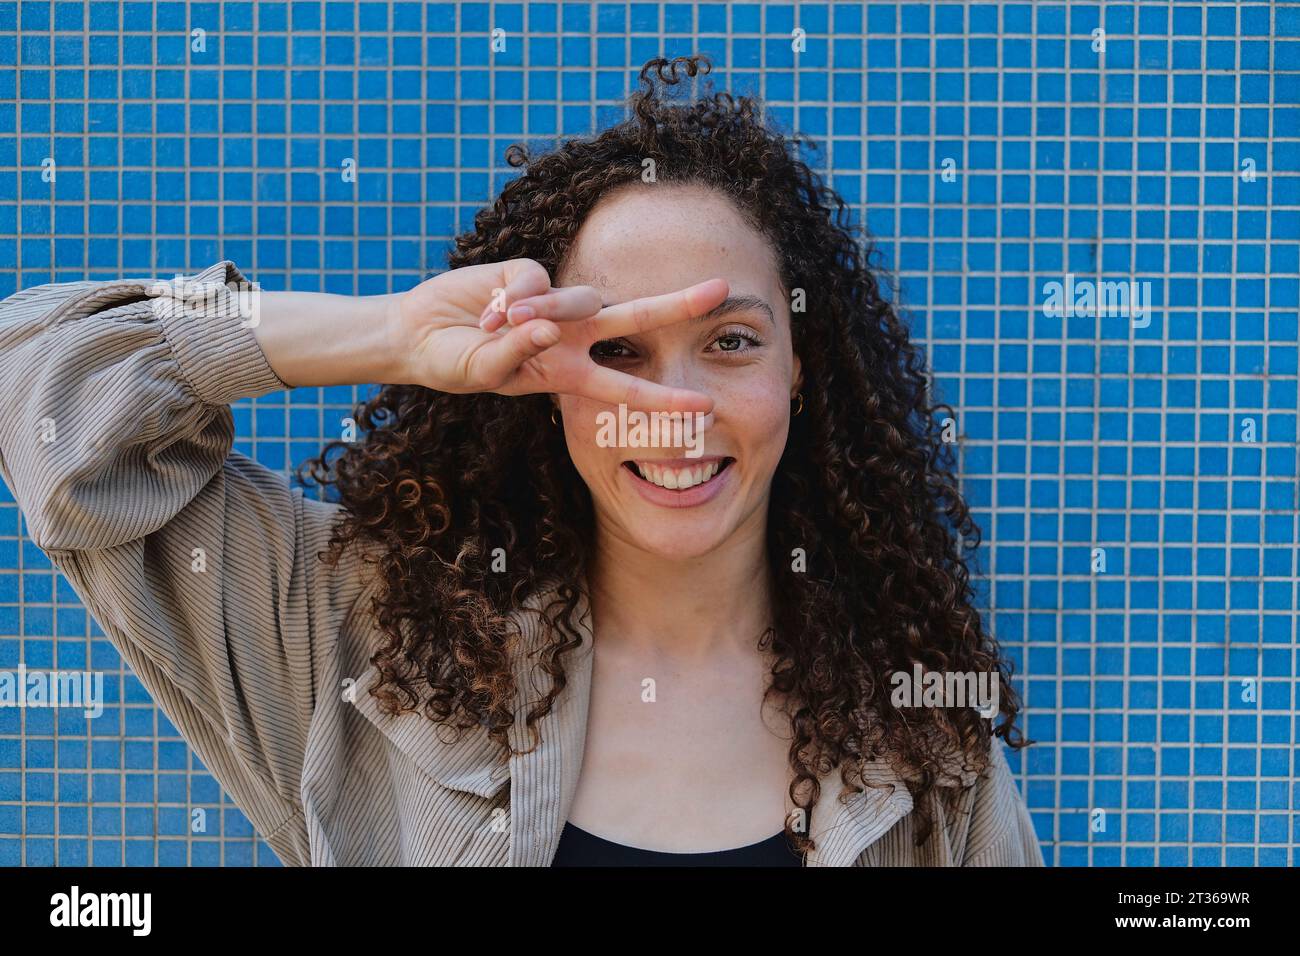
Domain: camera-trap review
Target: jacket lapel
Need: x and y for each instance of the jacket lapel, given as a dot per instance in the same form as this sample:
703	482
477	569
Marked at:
544	780
469	763
842	830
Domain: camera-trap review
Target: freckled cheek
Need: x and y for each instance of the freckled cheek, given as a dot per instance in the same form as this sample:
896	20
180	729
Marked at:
754	419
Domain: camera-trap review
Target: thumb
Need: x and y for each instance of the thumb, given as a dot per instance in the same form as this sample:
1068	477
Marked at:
497	360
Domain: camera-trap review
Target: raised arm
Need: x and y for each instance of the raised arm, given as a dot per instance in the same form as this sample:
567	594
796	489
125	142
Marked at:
116	441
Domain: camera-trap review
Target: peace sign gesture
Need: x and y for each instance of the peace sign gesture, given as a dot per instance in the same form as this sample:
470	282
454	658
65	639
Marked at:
500	327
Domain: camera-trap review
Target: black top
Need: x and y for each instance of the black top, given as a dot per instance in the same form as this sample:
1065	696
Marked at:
580	848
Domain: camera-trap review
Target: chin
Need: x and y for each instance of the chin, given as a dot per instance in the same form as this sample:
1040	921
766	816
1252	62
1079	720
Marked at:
677	540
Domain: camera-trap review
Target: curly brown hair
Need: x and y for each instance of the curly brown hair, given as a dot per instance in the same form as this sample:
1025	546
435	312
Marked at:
865	486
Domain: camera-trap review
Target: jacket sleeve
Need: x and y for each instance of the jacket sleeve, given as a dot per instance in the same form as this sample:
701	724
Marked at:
1001	832
116	441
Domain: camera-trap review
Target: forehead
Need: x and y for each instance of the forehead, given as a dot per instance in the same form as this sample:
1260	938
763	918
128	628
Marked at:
648	239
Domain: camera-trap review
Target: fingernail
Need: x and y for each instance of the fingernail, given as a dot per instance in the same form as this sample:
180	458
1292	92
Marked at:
521	313
545	337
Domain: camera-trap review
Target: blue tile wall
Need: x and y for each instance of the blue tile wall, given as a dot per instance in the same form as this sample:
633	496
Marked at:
991	147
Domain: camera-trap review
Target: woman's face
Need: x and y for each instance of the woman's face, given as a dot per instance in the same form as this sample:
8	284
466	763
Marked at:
657	238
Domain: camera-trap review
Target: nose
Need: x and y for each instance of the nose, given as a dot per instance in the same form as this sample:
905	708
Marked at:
677	368
681	370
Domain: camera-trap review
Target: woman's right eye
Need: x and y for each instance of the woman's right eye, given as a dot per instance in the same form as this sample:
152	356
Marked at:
609	349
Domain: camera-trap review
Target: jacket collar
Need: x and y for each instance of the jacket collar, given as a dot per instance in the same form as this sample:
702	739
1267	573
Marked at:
468	763
544	780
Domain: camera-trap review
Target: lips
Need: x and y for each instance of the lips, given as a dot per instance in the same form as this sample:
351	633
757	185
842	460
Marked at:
651	478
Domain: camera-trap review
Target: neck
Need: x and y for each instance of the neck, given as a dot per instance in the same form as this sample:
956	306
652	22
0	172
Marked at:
719	602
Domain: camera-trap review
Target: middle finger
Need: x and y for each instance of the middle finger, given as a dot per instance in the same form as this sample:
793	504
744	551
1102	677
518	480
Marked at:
651	312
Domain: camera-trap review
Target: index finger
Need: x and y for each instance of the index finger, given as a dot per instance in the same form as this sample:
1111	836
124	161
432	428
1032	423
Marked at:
654	311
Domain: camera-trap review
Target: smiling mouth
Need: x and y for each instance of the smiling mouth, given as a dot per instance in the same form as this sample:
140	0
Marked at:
680	477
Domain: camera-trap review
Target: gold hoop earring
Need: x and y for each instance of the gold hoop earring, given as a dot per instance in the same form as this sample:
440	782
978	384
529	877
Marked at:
799	397
554	421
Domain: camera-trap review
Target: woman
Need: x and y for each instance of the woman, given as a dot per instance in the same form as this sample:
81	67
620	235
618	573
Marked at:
514	639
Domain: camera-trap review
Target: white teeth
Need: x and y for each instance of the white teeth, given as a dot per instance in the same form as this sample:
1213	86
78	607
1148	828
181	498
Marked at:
677	479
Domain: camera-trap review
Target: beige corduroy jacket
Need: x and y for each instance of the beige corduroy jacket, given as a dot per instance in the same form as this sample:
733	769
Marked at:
116	440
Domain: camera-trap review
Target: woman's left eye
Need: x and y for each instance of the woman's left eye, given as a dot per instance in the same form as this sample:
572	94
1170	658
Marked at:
737	340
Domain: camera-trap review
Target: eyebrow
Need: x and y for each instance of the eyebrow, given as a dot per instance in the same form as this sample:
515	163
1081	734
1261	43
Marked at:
731	304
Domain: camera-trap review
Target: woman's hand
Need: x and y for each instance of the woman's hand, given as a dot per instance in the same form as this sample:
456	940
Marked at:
500	327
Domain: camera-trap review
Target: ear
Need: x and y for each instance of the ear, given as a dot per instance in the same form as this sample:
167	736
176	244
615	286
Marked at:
798	377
